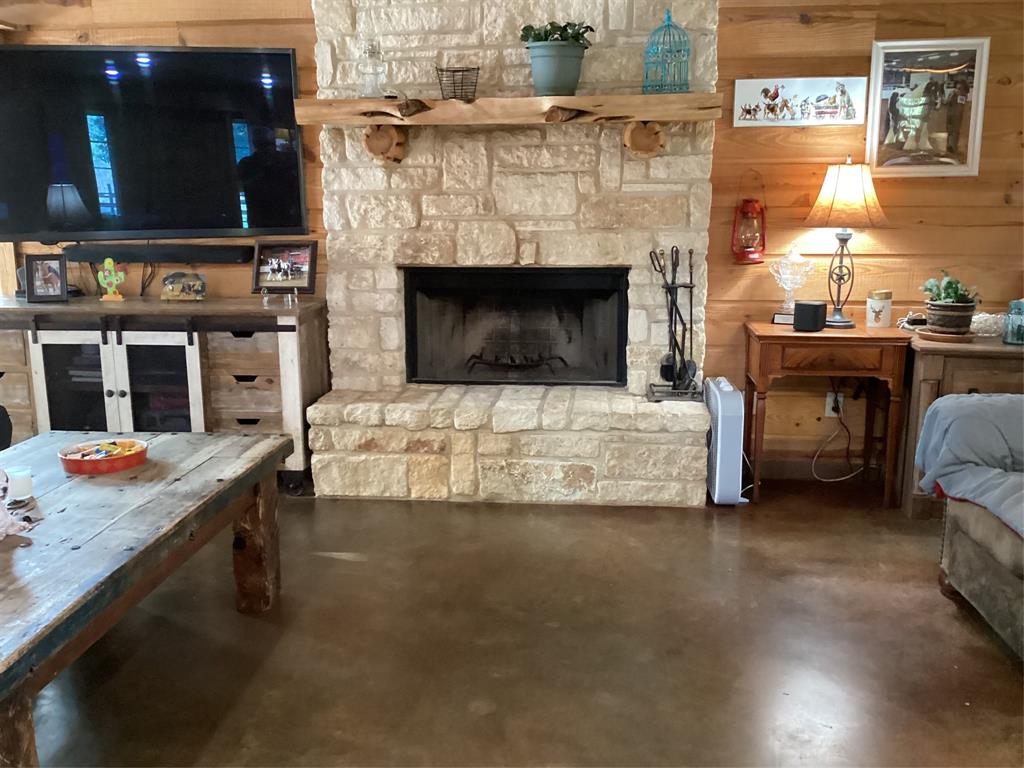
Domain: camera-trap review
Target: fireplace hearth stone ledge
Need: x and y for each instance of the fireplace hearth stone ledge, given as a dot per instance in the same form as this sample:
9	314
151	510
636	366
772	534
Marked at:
533	443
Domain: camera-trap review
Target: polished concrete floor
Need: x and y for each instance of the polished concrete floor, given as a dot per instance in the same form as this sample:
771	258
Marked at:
806	631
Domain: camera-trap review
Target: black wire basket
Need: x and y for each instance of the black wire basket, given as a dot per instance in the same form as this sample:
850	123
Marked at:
458	82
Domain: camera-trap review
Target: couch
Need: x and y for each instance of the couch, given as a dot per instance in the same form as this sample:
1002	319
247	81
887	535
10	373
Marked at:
971	453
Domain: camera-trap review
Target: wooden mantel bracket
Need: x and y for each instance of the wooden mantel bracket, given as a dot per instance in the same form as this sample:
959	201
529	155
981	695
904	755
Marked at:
386	143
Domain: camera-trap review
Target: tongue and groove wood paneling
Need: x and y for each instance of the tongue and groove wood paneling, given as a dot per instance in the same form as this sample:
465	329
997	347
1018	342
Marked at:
971	226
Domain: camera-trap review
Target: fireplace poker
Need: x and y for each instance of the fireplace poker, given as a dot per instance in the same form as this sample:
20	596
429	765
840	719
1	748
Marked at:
690	365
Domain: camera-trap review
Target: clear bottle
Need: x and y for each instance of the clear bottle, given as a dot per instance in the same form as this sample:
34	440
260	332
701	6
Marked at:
371	68
1013	329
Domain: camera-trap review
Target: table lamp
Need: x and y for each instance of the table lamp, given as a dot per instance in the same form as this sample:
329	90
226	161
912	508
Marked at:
846	201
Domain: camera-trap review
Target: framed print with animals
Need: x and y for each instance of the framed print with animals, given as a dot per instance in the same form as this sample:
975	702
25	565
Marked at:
925	106
799	101
46	278
284	267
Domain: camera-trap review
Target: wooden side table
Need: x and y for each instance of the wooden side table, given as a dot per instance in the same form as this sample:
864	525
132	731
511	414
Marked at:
775	351
942	368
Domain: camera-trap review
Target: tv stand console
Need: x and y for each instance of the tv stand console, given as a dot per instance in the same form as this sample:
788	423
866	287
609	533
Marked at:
147	365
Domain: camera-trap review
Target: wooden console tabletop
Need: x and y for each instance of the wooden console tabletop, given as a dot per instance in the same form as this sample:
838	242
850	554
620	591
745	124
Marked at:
775	351
91	306
105	542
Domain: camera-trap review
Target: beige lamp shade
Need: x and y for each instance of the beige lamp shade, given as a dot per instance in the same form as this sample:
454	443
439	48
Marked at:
847	200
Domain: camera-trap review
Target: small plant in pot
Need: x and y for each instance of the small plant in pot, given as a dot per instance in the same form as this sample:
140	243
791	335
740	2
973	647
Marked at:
950	304
556	55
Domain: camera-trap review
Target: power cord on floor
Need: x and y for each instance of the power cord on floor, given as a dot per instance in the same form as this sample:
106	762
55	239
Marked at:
751	468
838	409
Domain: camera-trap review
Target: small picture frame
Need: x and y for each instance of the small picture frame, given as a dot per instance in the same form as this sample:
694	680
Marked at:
925	106
284	267
46	278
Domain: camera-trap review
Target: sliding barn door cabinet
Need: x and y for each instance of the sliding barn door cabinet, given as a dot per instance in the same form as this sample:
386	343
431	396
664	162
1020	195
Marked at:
144	381
151	366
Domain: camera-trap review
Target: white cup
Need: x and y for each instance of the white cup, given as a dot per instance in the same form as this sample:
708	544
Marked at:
879	309
19	485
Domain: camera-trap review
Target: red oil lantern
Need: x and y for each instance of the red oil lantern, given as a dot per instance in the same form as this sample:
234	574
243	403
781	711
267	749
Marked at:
748	232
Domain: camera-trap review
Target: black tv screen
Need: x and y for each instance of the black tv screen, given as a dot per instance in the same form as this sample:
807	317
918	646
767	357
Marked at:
133	143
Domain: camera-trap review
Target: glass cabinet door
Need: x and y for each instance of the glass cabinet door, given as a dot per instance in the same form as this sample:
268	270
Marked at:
72	374
159	385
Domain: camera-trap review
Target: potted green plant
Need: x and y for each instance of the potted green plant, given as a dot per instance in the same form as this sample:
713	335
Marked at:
950	304
556	55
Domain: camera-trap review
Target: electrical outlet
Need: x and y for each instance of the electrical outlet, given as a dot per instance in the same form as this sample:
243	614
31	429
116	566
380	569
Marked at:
833	404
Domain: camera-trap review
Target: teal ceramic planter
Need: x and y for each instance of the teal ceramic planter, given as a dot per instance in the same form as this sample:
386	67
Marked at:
556	67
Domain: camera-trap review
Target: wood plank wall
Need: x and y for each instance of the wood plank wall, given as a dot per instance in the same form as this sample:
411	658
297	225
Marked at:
228	23
972	226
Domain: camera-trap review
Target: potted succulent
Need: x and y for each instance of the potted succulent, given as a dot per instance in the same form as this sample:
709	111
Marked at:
950	304
556	55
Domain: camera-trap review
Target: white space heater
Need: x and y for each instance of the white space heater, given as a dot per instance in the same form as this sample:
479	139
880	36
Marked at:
725	441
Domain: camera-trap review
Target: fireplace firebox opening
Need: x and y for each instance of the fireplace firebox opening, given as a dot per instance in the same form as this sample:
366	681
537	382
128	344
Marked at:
519	325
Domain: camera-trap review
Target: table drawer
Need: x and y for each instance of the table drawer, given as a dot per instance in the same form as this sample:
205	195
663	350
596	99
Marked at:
12	348
963	376
14	391
845	358
23	425
245	391
245	421
245	353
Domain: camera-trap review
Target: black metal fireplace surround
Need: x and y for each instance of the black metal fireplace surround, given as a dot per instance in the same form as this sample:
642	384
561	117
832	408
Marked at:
518	325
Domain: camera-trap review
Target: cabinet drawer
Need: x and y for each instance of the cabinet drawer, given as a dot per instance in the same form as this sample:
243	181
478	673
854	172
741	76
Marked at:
244	391
965	375
229	353
244	421
14	391
12	349
23	425
852	358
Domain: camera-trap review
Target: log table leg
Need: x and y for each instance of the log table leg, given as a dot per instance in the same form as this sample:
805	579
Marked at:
17	734
256	551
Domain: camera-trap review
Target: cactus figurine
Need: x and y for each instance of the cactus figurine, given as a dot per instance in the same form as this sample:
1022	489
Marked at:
110	276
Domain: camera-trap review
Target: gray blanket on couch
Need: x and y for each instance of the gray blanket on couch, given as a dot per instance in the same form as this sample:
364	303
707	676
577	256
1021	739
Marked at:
971	447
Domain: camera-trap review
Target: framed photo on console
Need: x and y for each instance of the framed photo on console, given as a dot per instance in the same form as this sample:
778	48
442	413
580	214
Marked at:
925	106
284	267
46	278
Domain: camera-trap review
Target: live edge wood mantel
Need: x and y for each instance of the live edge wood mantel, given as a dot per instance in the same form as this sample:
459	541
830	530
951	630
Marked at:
775	351
387	120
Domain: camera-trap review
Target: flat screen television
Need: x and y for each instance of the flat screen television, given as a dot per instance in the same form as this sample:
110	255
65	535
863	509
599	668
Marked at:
102	143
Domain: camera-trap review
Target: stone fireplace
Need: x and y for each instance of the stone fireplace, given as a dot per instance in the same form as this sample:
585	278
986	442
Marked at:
515	393
526	325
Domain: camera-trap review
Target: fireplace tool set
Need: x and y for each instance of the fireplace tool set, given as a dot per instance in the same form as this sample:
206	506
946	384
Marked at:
678	367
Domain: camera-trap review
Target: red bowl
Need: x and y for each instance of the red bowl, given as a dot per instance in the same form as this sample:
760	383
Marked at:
102	466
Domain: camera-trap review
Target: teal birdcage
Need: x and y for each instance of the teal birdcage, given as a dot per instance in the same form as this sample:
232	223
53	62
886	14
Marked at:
667	59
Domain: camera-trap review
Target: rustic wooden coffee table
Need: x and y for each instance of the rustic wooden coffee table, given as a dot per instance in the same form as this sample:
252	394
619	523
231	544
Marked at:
107	541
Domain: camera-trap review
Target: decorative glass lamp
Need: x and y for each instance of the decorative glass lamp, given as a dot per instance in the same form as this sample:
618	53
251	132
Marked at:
846	201
667	59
